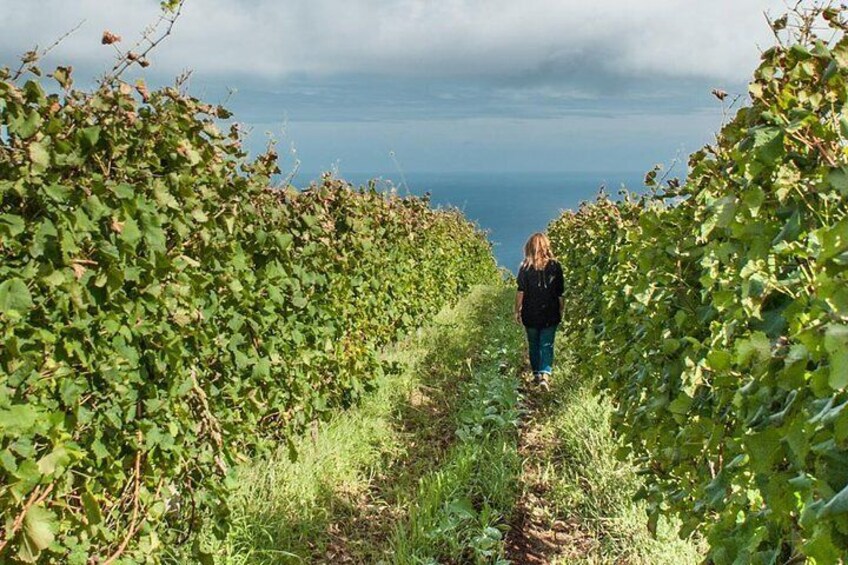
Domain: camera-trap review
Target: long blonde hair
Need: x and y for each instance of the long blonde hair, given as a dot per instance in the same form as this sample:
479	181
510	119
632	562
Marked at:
537	252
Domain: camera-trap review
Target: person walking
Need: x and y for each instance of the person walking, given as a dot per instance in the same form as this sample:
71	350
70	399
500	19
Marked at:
539	304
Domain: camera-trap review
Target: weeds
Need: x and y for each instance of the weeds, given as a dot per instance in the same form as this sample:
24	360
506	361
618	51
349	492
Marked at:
460	512
587	490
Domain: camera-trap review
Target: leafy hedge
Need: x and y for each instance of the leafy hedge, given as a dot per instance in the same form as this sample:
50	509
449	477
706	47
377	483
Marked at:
715	314
164	315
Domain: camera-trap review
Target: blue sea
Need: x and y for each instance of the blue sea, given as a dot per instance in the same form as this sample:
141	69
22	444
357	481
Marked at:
510	206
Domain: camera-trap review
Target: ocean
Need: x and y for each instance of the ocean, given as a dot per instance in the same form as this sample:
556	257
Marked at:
509	206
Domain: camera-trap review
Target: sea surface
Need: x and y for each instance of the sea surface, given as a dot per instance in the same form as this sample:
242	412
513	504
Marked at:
510	206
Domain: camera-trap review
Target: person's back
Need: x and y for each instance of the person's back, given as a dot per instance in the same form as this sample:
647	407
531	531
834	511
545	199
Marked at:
538	303
542	289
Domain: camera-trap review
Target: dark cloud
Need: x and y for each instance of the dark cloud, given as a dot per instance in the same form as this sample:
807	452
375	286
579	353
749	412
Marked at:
450	83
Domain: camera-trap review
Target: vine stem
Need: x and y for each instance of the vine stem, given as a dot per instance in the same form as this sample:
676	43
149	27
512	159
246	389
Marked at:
126	61
134	521
36	497
799	558
27	64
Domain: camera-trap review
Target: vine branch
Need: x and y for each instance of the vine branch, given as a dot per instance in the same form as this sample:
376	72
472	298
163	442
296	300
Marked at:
127	59
37	497
30	58
134	520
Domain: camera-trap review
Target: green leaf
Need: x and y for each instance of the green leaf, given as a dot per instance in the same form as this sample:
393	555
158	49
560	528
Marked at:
57	192
763	449
755	348
27	127
768	143
37	533
820	546
39	156
59	457
18	418
130	233
92	509
836	345
681	404
154	236
91	135
12	224
99	450
124	191
840	54
55	278
834	240
719	360
791	229
725	210
836	505
838	178
14	297
462	507
284	240
653	520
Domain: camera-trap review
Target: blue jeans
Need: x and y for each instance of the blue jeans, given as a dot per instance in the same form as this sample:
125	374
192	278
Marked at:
540	342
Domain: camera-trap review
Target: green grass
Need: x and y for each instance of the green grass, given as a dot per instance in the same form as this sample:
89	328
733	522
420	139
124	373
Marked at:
460	510
589	489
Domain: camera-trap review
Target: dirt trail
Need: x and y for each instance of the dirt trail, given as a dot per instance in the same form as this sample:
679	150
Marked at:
536	536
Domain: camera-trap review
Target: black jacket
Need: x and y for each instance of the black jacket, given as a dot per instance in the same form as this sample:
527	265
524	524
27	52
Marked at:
542	289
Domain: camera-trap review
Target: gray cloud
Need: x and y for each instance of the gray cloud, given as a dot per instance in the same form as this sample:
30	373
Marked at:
369	98
449	84
458	39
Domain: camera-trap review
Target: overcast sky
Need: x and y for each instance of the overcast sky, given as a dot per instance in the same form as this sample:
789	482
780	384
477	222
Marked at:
448	85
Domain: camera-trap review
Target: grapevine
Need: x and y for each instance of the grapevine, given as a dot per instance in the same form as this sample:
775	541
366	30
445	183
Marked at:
166	316
714	312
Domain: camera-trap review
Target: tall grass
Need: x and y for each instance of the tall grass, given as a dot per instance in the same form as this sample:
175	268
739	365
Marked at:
592	491
460	511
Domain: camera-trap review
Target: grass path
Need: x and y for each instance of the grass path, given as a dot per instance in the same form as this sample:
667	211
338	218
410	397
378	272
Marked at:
459	511
447	462
576	503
